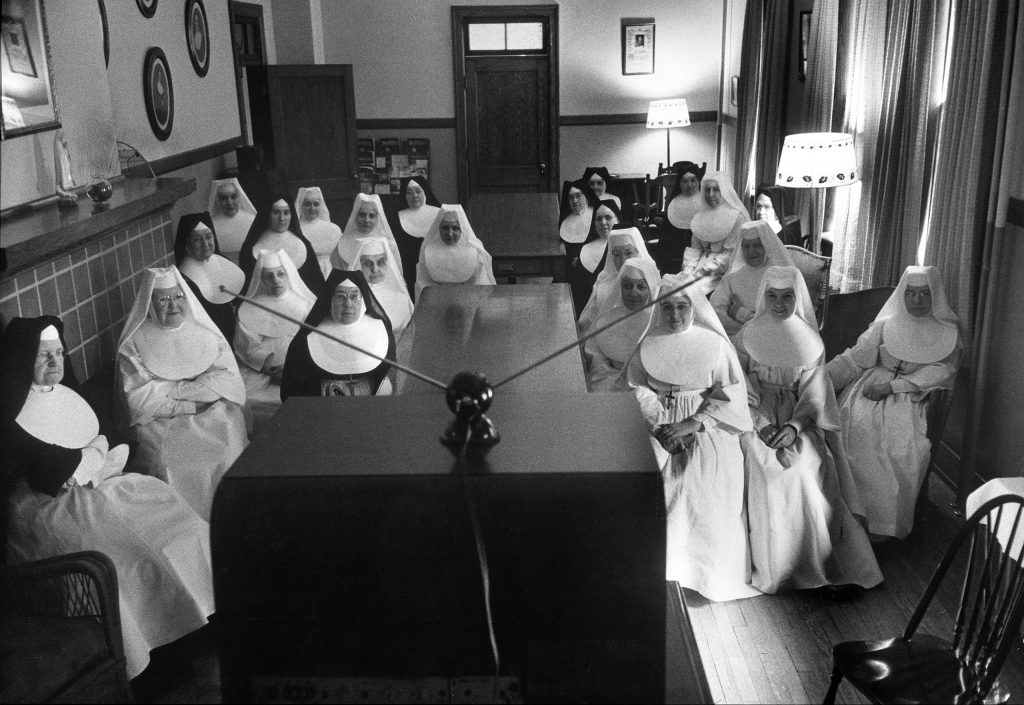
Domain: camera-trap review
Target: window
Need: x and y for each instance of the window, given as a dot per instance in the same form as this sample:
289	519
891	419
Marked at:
523	37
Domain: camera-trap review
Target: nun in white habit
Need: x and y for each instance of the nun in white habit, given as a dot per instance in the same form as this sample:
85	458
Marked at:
181	389
375	257
623	244
803	533
913	347
691	391
71	495
735	298
366	220
716	231
315	220
634	287
452	253
261	338
232	213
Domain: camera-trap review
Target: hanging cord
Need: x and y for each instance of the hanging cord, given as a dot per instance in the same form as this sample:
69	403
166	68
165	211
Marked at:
591	334
481	552
409	371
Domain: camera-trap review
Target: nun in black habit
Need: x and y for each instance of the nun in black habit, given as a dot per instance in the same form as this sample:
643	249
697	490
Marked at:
598	178
590	261
682	201
411	221
318	366
575	219
276	227
197	255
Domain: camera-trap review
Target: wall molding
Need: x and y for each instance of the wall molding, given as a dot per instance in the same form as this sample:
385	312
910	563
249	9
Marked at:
1015	212
195	156
563	121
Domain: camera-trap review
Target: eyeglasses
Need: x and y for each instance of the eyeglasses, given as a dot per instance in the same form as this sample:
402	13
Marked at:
355	296
165	301
55	354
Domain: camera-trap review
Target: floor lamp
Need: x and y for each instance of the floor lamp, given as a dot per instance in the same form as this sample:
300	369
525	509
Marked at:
818	161
668	114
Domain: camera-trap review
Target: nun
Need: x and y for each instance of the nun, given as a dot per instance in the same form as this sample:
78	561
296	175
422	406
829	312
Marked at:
803	533
452	253
366	220
376	259
683	201
277	228
716	231
913	347
735	298
316	365
232	214
691	391
261	337
197	255
315	221
769	207
70	494
575	219
604	355
623	244
598	179
410	224
591	260
181	389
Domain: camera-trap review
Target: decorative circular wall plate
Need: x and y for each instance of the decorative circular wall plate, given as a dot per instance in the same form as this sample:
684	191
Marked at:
158	92
147	7
197	35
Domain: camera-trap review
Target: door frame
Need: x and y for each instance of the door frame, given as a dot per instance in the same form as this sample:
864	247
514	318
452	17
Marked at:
254	14
549	13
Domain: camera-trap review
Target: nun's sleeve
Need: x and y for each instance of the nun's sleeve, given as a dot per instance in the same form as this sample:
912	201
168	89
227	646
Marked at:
253	349
44	466
928	377
601	374
147	397
720	299
222	377
634	378
848	366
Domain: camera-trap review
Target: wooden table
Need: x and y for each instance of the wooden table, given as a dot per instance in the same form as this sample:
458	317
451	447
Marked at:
495	330
520	231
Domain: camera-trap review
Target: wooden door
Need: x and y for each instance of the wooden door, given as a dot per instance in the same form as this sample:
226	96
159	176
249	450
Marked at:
506	98
313	125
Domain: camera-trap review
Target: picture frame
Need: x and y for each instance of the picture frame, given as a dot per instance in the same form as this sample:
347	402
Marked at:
158	91
637	46
29	103
147	7
197	36
805	34
17	48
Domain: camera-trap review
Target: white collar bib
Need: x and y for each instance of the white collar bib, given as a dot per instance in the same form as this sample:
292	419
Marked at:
789	343
231	232
59	417
417	222
685	359
184	352
575	228
368	333
451	265
714	225
265	323
592	252
287	241
681	210
919	340
210	275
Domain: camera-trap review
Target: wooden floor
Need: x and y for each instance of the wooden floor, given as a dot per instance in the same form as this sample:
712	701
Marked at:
767	649
778	648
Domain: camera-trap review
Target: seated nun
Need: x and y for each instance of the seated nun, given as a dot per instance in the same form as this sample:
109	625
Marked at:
452	253
691	391
635	286
232	213
181	389
197	255
410	224
716	231
315	221
769	207
277	228
803	533
591	261
319	366
262	338
735	297
374	257
598	179
575	219
683	200
913	347
366	220
623	243
70	494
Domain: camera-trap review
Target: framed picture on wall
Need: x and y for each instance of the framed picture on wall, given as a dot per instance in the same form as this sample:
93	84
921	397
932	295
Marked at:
197	35
158	91
17	47
29	104
637	45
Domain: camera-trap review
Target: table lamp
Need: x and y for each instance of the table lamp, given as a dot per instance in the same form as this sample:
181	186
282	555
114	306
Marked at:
668	114
817	160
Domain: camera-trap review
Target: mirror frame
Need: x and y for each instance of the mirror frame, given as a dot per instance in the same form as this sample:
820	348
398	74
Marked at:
38	42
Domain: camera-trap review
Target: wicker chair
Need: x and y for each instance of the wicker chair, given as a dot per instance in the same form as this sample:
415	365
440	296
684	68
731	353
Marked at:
815	269
60	631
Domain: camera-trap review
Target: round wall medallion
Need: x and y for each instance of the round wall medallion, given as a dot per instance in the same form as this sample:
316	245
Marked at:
197	35
147	7
158	92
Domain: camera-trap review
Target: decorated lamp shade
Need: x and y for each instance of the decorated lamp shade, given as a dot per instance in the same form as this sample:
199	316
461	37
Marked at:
668	113
817	160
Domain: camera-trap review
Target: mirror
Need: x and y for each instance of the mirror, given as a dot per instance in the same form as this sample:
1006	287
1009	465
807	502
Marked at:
28	101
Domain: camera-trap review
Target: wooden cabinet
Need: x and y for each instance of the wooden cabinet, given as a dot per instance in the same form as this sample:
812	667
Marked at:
304	129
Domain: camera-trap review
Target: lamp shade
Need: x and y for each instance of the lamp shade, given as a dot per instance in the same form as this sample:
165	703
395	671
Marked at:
817	160
668	113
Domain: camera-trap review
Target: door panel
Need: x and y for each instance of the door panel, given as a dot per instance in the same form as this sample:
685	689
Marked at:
507	111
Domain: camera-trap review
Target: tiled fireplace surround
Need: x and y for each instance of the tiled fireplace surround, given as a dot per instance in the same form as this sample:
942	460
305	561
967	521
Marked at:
92	287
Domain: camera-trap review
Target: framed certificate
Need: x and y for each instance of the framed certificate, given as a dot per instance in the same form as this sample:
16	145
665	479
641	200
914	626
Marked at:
637	45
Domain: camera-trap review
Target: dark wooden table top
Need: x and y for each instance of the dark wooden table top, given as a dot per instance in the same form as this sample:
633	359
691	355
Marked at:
494	330
516	224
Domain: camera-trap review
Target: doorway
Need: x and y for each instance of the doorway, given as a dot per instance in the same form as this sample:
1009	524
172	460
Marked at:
506	98
248	47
